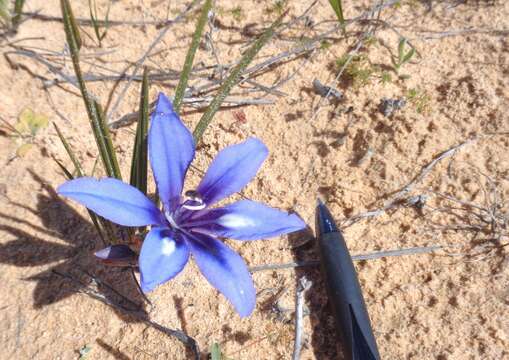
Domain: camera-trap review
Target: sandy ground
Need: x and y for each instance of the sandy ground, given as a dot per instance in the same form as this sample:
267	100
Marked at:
427	306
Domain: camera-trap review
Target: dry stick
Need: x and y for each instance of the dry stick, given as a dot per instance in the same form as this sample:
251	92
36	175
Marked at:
426	170
214	84
398	196
141	60
87	290
359	257
196	102
303	286
440	35
87	22
33	55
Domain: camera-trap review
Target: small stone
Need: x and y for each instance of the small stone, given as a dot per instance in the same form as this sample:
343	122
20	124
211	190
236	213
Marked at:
388	106
323	90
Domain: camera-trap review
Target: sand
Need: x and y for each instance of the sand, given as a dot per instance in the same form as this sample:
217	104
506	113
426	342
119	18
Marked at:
448	305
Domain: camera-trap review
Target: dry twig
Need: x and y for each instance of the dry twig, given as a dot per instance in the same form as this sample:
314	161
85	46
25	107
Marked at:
303	286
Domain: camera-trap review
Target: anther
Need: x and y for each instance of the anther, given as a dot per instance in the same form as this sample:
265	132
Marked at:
193	201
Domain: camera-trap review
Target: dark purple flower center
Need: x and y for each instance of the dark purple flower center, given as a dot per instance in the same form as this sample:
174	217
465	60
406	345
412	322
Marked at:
192	201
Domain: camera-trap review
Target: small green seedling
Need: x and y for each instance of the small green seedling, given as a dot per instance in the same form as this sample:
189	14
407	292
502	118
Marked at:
385	77
420	99
278	7
26	128
324	45
403	55
237	13
358	69
96	23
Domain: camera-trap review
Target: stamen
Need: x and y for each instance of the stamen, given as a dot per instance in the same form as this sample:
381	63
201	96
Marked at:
194	201
170	219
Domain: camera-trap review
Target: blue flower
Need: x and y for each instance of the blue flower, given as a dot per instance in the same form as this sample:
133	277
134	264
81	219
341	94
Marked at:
188	225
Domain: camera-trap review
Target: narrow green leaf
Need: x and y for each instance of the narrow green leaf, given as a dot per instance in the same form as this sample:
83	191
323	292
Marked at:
67	173
104	133
233	79
96	24
106	21
188	63
408	56
94	111
337	6
139	165
4	12
18	9
93	18
401	49
70	22
72	156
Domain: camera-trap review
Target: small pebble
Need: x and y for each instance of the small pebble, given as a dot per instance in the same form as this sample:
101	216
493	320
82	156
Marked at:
323	90
417	201
388	106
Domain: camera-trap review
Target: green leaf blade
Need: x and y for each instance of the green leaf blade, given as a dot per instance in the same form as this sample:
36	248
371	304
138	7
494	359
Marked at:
188	63
139	164
337	6
233	79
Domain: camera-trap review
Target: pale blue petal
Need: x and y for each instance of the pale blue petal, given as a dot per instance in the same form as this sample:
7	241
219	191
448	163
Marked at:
225	270
163	255
113	200
171	150
232	169
248	220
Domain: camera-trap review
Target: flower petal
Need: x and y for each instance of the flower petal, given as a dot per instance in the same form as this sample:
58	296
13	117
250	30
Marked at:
171	150
225	270
248	220
232	169
163	255
113	200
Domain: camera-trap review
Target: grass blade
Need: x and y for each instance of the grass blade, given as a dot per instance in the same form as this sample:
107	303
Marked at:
337	6
233	79
113	169
96	24
94	111
70	23
188	63
139	163
93	18
4	12
66	172
18	9
72	156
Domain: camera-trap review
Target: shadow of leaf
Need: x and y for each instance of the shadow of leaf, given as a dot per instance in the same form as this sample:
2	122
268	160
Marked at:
74	257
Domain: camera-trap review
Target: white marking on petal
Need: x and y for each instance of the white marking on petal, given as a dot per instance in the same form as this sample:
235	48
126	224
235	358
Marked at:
235	221
168	247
